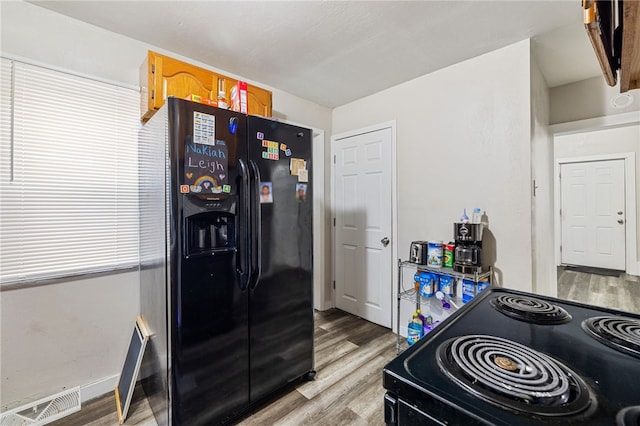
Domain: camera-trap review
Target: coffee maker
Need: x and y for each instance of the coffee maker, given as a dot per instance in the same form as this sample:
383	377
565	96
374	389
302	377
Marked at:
468	251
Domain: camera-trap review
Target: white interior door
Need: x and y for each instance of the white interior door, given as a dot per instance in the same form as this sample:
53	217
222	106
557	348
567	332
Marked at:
362	238
593	214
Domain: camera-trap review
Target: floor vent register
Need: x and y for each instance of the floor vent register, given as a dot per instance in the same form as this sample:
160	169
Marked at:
44	410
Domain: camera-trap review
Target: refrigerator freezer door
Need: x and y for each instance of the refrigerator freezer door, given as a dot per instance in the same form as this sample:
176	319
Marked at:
196	367
210	375
209	302
281	300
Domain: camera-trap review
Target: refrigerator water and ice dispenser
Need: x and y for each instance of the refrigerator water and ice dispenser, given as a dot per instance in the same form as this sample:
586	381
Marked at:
210	231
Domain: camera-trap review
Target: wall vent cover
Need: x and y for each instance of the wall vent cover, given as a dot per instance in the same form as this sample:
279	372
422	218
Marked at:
44	410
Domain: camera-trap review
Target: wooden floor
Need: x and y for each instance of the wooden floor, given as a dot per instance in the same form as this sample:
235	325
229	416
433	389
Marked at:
349	355
607	289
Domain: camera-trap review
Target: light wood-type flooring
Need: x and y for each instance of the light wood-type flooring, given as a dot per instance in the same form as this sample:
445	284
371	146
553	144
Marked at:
601	288
349	356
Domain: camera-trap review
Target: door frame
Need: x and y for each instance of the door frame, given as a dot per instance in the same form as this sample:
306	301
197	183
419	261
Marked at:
394	205
630	204
319	258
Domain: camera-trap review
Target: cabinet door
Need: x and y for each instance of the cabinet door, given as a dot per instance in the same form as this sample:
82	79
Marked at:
179	79
162	76
259	101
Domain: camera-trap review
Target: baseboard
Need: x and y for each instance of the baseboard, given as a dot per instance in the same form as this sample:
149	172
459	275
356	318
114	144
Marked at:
630	277
595	271
98	388
634	269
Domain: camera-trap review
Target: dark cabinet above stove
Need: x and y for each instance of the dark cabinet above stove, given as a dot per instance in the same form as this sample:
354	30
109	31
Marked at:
616	47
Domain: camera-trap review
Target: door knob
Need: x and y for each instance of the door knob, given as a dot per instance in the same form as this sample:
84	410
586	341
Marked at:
385	241
619	212
620	221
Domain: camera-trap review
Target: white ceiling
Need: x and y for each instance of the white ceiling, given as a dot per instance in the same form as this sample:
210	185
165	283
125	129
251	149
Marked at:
333	52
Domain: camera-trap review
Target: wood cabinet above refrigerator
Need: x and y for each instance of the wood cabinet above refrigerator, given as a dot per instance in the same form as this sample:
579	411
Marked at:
162	76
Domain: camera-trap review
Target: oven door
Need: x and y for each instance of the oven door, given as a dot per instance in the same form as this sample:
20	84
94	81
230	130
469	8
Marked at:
400	412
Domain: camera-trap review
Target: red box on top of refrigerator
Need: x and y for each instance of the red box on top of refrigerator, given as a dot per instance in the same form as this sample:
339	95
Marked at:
239	101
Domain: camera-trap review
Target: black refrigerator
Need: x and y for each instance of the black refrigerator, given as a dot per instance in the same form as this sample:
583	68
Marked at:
226	261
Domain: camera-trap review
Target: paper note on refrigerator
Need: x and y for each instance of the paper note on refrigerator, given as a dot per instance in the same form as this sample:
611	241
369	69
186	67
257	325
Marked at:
296	165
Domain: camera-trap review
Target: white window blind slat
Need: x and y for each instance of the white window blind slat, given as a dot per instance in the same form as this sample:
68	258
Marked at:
71	204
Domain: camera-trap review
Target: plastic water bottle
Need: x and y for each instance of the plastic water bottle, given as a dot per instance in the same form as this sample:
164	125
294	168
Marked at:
414	330
476	216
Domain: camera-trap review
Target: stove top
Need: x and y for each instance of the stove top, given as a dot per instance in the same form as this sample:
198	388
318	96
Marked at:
510	375
622	334
530	309
510	357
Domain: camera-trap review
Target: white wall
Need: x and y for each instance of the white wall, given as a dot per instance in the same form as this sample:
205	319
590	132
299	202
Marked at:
544	268
64	335
463	140
587	99
72	333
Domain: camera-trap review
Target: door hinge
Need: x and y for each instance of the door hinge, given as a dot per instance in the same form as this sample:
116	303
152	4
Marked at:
334	222
153	68
153	94
334	284
334	159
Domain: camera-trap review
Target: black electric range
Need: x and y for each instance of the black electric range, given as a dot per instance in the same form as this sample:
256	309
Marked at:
514	358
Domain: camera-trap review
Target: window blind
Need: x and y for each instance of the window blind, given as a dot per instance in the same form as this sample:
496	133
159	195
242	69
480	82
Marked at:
68	178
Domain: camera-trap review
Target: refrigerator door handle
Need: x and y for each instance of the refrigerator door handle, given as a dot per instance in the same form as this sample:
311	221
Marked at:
256	226
243	253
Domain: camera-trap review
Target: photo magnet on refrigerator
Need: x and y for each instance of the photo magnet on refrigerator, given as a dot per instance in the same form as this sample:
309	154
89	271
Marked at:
266	192
301	192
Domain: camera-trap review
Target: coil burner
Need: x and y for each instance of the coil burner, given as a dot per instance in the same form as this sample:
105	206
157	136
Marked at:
530	309
514	376
629	416
620	333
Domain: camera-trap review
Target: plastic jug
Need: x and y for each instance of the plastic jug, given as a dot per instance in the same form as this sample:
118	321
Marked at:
464	218
414	330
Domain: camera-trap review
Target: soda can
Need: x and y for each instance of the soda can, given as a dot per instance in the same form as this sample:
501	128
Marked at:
448	251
